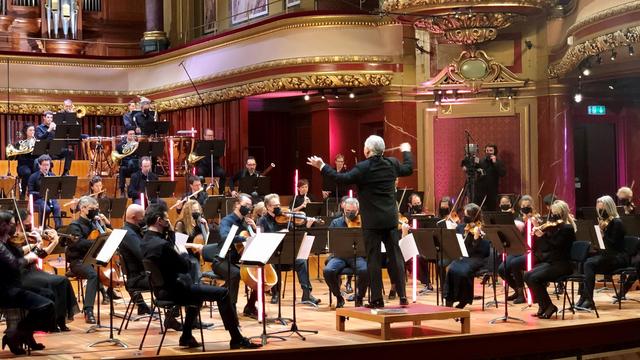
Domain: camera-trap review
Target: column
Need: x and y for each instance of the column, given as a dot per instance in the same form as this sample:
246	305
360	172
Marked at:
154	38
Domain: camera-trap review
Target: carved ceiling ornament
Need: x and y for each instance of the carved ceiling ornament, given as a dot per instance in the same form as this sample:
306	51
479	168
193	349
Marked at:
575	55
474	70
395	5
468	28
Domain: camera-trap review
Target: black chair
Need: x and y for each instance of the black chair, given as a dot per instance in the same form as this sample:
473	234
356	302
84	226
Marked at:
345	271
209	253
156	281
579	254
631	247
486	275
135	292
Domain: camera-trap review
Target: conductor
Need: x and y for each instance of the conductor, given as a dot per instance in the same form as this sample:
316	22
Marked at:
375	178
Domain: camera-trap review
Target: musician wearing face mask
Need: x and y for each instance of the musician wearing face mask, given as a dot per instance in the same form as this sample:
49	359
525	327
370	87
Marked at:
303	198
35	180
414	205
139	180
625	199
505	205
191	223
145	116
490	170
612	257
26	162
335	265
159	247
89	220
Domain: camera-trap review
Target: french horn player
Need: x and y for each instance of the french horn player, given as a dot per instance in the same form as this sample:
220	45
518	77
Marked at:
23	152
126	157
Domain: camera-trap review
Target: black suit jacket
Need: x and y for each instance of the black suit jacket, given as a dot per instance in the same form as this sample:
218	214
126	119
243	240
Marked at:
138	182
172	264
375	178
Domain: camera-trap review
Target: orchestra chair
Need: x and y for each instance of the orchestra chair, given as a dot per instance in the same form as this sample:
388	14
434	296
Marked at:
156	282
208	254
346	271
131	305
631	247
486	275
579	254
73	277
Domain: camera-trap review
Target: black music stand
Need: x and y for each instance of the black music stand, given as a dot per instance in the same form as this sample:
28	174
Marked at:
586	231
159	189
313	209
497	218
289	251
113	207
449	249
9	204
65	118
69	132
347	242
155	128
210	148
426	242
90	259
331	206
511	241
320	245
214	207
49	147
424	220
58	187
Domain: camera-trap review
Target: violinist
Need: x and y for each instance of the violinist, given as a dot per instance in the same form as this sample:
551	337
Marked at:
415	208
139	180
26	163
47	131
273	221
505	204
40	310
195	187
128	164
52	206
57	288
303	197
248	171
612	257
458	282
414	205
625	199
145	116
335	265
191	223
552	250
89	220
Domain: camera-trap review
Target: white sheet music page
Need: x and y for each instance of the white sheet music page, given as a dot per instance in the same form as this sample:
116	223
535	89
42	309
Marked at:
262	247
599	236
181	241
408	247
463	248
110	246
228	241
305	247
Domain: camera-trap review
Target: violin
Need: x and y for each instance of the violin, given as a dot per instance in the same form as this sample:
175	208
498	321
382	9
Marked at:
402	220
298	218
355	223
474	228
604	223
549	225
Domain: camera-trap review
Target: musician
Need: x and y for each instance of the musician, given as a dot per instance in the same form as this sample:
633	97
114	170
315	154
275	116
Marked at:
335	265
204	166
26	162
132	255
268	224
158	246
552	248
128	120
195	186
39	310
57	288
505	205
489	170
415	207
458	282
300	201
145	116
67	106
332	189
90	219
612	257
625	199
375	178
47	131
248	171
139	180
52	206
128	164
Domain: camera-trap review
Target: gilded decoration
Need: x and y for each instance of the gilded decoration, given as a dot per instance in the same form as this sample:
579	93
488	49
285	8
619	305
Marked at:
606	13
468	28
474	70
576	54
394	5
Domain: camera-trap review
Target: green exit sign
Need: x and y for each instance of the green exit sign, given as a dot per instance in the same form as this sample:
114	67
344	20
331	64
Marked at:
596	110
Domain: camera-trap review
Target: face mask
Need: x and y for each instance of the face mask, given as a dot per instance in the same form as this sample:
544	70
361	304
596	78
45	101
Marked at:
28	228
351	215
505	207
604	214
554	217
277	211
443	212
467	219
526	210
244	210
12	230
142	224
625	202
196	215
93	213
145	111
416	209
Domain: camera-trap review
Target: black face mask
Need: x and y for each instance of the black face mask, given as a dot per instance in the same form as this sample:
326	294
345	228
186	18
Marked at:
505	207
351	215
443	212
604	214
467	219
244	210
196	215
145	111
277	211
93	213
28	228
142	224
625	202
554	217
12	230
416	209
526	210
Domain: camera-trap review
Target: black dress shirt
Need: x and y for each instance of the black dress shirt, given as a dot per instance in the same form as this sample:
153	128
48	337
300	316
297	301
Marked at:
138	182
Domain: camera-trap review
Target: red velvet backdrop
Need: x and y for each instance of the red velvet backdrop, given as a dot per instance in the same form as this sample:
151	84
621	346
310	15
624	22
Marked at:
449	144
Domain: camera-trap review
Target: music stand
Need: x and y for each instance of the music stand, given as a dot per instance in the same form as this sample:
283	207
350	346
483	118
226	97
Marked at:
248	184
587	213
497	218
214	207
49	147
331	206
149	148
160	189
586	232
320	245
345	243
65	118
113	207
69	132
105	258
58	187
511	241
426	240
424	220
90	259
313	209
155	128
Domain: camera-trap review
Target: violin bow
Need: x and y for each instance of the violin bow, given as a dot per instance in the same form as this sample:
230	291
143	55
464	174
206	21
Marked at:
15	203
401	198
455	203
553	198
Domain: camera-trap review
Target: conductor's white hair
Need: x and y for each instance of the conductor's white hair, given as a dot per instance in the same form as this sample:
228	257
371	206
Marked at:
375	143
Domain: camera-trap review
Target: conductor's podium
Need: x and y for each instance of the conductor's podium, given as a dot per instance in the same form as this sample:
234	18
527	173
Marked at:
415	313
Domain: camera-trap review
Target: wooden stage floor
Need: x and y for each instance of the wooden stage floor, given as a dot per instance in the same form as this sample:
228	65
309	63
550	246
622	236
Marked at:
534	338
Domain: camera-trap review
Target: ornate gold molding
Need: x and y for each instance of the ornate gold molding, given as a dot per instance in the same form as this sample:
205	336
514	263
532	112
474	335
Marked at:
393	5
578	53
41	107
468	28
605	14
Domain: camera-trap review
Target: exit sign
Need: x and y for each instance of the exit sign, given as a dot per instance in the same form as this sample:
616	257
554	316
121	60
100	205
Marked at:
596	110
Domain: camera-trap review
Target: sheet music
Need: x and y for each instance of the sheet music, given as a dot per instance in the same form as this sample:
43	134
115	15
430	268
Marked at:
408	247
228	241
305	247
110	246
382	248
463	248
181	241
451	225
599	236
263	246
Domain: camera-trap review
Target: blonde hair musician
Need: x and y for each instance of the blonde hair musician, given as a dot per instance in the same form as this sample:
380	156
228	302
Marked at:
625	198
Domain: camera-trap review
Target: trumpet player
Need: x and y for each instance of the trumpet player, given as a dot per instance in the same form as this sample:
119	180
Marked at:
47	131
128	164
26	163
145	115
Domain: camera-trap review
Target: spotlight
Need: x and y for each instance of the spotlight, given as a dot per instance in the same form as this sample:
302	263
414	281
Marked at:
335	93
577	97
510	94
307	97
614	54
437	97
586	71
631	50
496	94
611	87
352	95
322	94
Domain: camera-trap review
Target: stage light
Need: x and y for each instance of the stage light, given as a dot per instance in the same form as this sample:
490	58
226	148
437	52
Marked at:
437	97
322	94
611	87
577	97
614	54
631	50
496	94
352	95
307	97
586	71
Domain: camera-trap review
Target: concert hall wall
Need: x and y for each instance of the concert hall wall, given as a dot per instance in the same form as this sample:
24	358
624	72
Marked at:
504	131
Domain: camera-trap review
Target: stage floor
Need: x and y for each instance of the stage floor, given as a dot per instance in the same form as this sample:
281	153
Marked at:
74	344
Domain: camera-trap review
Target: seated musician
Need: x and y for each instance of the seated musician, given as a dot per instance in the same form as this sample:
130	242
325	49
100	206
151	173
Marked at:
335	265
300	201
96	187
505	204
89	220
26	162
248	171
415	207
67	106
132	255
625	199
195	186
458	282
139	180
47	131
128	120
145	116
204	166
191	223
52	206
128	164
269	224
158	245
57	288
612	257
39	309
330	188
